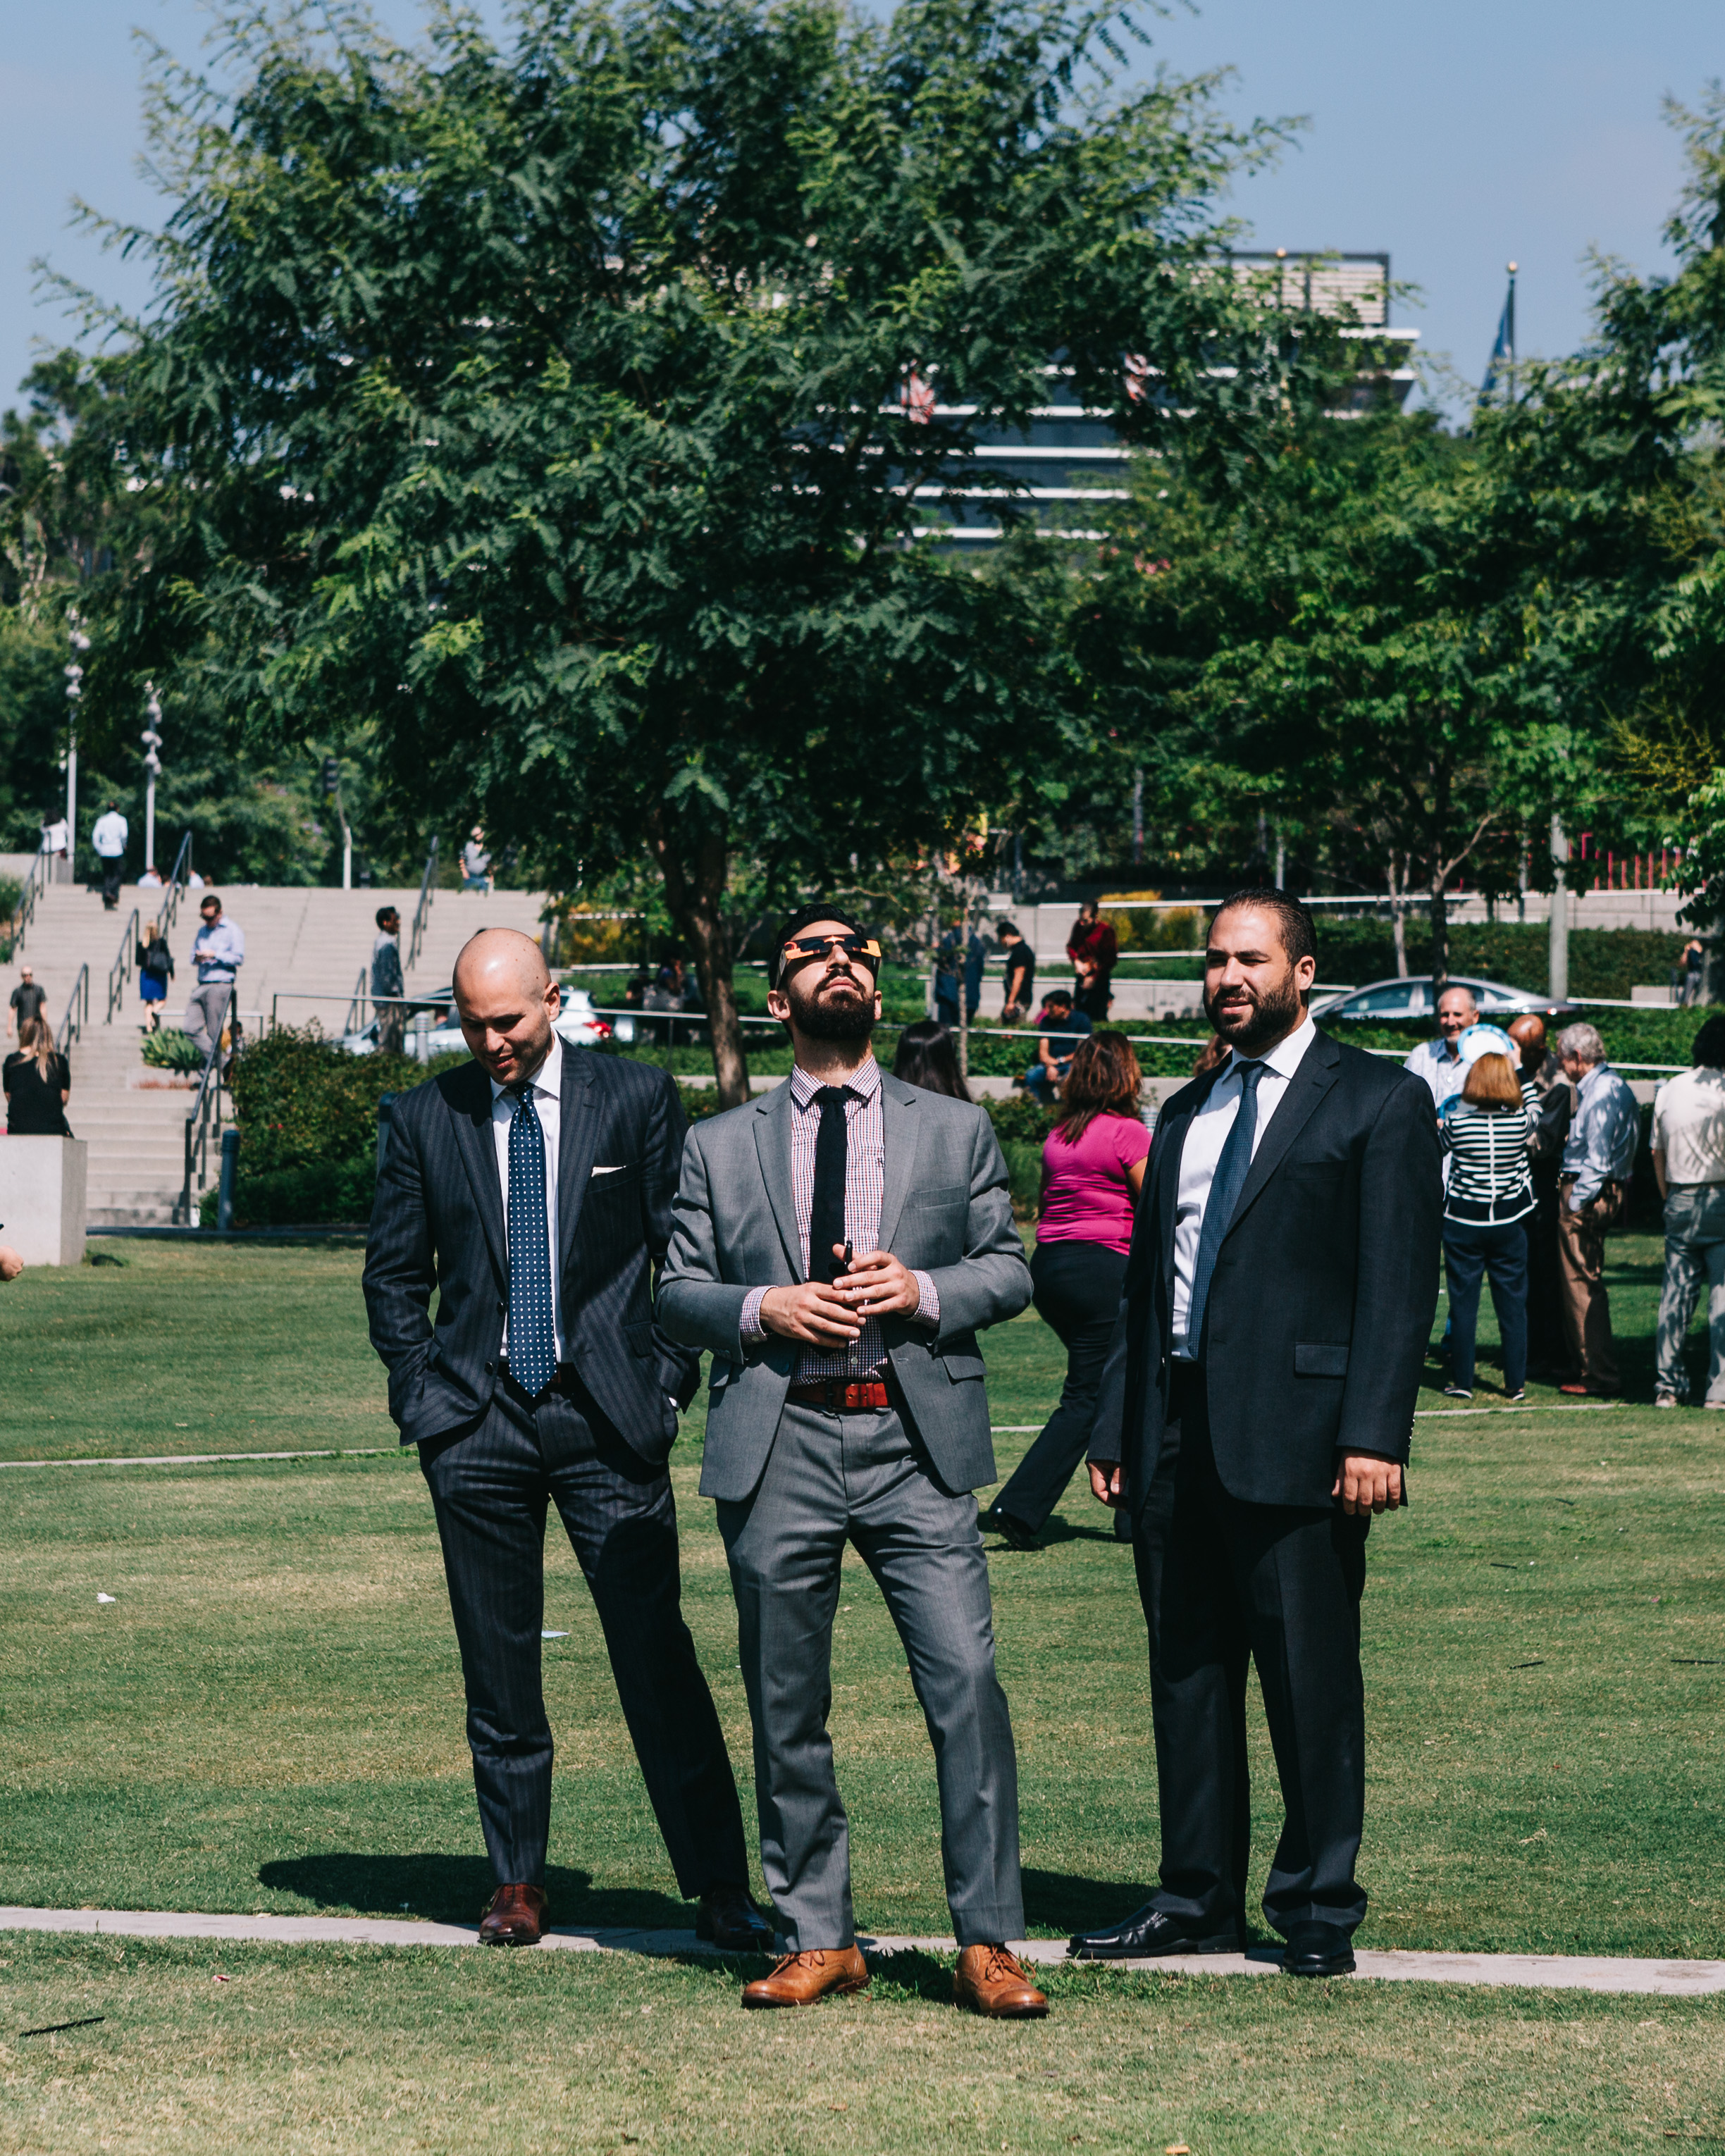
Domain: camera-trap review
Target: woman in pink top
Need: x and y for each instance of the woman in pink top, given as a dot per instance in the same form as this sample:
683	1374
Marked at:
1092	1171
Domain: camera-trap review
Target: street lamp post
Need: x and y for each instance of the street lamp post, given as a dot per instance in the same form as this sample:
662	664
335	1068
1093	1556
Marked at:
74	689
151	739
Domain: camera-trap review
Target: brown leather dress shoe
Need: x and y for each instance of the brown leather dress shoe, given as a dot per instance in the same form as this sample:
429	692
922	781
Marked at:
989	1980
800	1978
728	1919
516	1917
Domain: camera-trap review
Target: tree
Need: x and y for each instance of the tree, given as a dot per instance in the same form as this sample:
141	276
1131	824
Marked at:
568	414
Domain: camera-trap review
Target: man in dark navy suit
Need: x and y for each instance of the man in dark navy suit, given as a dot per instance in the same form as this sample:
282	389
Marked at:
532	1189
1255	1413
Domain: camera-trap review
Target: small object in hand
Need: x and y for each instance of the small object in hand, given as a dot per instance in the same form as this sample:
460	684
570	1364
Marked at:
850	1253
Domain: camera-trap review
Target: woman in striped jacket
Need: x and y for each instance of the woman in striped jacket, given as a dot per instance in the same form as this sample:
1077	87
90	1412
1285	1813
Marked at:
1486	1210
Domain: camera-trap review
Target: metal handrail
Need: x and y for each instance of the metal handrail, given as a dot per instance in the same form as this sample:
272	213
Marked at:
356	1008
119	973
77	1013
205	1115
35	884
179	878
422	911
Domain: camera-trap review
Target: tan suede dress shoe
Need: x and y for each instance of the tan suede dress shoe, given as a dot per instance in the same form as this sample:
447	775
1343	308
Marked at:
800	1978
989	1980
516	1917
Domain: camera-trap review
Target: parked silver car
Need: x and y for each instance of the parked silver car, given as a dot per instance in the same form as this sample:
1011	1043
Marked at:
1382	1002
577	1023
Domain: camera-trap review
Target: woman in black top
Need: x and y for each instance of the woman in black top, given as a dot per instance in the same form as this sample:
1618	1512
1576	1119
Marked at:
37	1083
1486	1210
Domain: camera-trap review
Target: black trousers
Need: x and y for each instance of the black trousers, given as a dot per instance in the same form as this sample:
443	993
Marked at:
1078	1293
1224	1583
1546	1347
491	1489
113	868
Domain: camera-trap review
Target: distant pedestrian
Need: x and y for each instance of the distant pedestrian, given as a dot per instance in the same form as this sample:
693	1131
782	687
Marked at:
958	965
56	842
37	1083
1692	970
1593	1188
388	989
218	952
155	969
1093	1165
151	880
1020	972
108	839
927	1057
1065	1028
1689	1161
1488	1203
1440	1062
1094	949
1550	1099
28	999
475	862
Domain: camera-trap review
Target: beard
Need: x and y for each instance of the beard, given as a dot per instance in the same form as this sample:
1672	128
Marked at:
1268	1015
834	1011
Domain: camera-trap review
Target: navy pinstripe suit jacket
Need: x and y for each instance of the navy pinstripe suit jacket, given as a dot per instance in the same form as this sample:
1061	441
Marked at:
437	1222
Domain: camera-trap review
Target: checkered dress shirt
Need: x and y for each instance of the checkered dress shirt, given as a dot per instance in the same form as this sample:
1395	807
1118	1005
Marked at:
865	1180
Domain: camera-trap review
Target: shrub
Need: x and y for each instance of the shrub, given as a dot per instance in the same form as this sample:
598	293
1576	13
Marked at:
1021	1118
168	1049
320	1195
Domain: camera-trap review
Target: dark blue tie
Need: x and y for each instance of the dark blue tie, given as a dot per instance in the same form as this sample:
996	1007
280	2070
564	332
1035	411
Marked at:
1225	1185
532	1336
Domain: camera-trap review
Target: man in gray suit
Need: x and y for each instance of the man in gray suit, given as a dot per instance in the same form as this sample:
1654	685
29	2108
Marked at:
531	1188
837	1244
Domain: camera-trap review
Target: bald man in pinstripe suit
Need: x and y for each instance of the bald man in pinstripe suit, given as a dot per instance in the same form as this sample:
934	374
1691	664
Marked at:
533	1189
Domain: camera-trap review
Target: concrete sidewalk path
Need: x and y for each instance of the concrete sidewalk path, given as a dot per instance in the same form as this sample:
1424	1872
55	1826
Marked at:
1678	1979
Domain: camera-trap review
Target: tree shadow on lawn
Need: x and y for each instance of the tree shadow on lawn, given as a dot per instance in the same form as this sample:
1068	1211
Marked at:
457	1889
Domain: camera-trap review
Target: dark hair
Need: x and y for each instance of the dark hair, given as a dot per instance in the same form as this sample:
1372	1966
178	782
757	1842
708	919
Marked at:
1105	1080
1008	928
1708	1052
794	924
1491	1083
1057	996
386	914
926	1058
1299	938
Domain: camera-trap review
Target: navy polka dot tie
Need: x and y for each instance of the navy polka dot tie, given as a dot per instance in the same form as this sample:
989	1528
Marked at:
532	1336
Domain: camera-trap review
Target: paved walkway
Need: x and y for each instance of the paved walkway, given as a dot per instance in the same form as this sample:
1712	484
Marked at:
1681	1980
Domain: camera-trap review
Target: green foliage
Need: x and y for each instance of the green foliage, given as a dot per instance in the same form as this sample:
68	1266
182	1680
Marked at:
169	1049
1603	961
1020	1119
322	1194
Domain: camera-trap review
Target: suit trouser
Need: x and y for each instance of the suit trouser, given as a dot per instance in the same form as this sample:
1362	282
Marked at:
1694	1254
491	1489
1078	1294
1225	1582
1587	1302
207	1013
832	1479
1546	1348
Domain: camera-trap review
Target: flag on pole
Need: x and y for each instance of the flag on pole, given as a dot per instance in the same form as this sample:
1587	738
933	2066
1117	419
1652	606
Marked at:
1503	351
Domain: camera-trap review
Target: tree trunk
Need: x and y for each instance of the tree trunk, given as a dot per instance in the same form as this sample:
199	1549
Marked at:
1439	936
694	892
1398	919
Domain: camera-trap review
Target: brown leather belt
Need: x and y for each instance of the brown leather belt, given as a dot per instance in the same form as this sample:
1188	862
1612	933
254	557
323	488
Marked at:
842	1395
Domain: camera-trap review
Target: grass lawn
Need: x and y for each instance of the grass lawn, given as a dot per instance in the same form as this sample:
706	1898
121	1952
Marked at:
268	1716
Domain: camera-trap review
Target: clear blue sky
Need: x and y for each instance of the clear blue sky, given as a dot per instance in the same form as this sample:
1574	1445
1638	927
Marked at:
1454	139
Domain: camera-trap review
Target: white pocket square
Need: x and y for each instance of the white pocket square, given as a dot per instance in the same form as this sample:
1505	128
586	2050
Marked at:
617	1170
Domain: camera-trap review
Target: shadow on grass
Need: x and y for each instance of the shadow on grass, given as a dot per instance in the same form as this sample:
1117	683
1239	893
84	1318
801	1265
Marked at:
1062	1902
456	1890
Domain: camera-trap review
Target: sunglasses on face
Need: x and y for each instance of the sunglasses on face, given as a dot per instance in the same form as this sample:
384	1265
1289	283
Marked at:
818	947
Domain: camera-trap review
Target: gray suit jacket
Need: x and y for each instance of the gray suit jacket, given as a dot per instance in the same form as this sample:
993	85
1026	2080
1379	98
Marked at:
946	1210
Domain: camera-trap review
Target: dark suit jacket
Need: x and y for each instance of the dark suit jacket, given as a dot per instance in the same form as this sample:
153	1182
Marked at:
1321	1301
439	1221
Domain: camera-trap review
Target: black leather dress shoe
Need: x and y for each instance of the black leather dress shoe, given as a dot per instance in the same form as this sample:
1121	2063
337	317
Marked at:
727	1917
1318	1950
1018	1534
1147	1931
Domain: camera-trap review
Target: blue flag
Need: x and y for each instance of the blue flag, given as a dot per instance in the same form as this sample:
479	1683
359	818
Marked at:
1504	350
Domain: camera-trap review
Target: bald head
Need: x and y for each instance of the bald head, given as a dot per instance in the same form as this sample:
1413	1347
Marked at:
1527	1032
508	1001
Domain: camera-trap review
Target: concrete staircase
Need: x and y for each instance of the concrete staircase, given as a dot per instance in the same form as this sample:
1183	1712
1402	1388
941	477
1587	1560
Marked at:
305	951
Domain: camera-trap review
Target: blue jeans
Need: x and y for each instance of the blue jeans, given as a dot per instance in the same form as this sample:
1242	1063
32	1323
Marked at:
1472	1250
1694	1253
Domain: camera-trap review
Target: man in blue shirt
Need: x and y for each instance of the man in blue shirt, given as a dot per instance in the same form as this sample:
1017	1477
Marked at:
1055	1051
1438	1062
218	953
1593	1188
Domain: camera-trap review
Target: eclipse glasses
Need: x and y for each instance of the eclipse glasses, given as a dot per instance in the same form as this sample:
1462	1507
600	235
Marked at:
864	947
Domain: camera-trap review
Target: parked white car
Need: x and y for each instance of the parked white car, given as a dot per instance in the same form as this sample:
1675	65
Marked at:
577	1023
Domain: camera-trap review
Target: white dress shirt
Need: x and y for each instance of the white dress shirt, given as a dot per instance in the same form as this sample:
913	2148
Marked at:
548	1087
1206	1135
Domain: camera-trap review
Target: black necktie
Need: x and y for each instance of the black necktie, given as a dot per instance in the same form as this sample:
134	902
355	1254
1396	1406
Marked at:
832	1159
1225	1185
